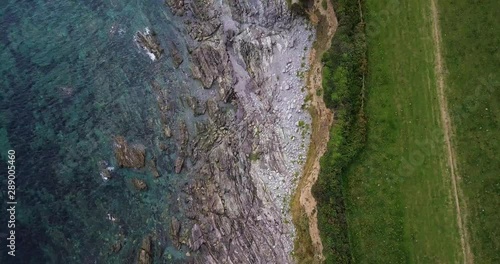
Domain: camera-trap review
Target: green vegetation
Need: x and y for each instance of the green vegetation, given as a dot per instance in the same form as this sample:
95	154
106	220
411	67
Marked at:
254	156
300	6
343	71
305	253
384	191
470	45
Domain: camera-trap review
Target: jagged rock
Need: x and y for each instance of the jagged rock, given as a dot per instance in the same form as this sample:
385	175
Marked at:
175	229
207	21
132	156
148	41
203	30
145	252
183	138
176	55
178	164
196	238
217	205
162	100
194	104
139	184
212	107
275	14
210	63
177	6
207	64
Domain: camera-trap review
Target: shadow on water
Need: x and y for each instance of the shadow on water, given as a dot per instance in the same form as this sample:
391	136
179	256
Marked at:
71	80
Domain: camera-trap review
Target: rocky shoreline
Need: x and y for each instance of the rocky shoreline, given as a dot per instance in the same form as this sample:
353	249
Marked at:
244	160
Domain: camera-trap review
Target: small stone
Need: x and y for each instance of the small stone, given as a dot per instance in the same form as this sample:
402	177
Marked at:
115	248
167	131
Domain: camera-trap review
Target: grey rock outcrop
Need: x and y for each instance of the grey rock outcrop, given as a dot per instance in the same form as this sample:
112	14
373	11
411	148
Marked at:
234	203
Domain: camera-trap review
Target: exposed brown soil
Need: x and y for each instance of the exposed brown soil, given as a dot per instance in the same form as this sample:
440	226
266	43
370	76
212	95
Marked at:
322	121
447	129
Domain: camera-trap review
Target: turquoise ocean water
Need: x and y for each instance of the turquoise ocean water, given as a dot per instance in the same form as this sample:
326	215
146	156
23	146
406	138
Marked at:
72	78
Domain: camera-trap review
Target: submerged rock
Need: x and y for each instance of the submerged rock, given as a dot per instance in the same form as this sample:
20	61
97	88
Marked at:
115	248
129	156
153	168
176	55
139	185
197	107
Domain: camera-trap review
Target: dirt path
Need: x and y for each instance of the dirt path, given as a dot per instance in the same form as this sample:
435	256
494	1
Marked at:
445	118
322	119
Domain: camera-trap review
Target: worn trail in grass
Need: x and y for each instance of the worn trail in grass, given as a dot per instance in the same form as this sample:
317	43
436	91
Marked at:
447	130
469	40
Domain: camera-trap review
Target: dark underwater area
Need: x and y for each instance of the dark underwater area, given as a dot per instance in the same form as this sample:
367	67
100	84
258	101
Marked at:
72	80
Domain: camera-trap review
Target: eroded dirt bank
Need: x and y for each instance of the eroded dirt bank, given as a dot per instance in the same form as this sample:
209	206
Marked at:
304	204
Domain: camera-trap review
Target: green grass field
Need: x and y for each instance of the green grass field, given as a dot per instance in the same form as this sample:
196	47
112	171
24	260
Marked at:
399	200
393	201
470	34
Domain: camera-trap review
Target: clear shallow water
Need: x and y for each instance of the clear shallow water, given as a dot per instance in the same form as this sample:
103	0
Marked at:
71	79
